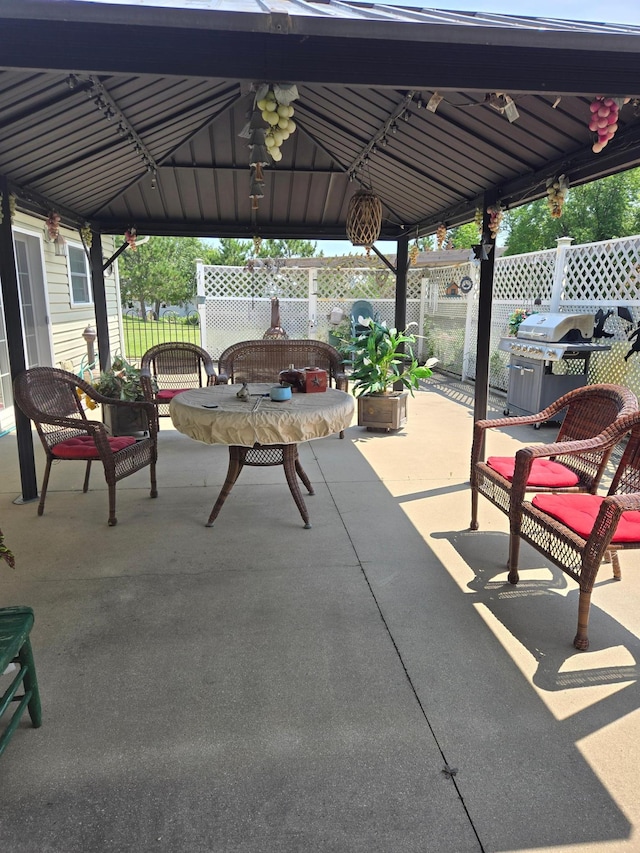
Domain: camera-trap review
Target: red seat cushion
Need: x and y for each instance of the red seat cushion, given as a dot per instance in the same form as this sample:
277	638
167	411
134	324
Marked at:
544	472
579	513
84	447
169	393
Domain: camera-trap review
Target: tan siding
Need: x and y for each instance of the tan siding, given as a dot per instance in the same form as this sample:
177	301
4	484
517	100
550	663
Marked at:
68	322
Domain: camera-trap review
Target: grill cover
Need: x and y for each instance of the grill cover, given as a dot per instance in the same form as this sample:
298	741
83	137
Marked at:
557	328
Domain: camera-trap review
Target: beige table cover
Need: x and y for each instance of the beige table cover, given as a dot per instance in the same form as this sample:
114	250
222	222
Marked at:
235	422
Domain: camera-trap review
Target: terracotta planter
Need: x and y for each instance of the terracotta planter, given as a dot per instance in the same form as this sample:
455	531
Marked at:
121	420
383	411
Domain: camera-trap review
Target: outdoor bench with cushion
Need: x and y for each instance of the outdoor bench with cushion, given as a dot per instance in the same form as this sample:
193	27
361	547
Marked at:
262	361
594	422
577	532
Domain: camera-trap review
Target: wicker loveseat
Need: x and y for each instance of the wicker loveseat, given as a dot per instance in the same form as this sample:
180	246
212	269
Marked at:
262	360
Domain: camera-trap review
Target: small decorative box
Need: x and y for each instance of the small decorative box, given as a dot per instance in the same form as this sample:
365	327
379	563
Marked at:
315	379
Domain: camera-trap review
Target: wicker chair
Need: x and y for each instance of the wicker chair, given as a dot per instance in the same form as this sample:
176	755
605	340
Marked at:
173	367
575	462
49	397
578	532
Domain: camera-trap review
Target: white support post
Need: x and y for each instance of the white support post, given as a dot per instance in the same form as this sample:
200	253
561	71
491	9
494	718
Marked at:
313	304
559	273
424	284
472	296
201	303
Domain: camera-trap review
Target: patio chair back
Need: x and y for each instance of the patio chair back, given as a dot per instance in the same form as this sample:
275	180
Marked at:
171	367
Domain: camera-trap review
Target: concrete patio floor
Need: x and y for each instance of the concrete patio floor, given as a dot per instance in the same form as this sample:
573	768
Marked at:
371	684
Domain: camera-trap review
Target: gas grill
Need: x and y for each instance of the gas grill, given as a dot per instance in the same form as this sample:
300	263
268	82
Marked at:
542	341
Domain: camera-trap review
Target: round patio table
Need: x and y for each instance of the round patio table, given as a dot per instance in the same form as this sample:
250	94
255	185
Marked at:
260	432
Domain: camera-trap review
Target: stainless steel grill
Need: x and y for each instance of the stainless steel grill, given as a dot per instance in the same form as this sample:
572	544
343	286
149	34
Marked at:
542	340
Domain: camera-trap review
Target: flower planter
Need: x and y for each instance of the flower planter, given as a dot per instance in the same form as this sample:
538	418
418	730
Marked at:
121	420
383	412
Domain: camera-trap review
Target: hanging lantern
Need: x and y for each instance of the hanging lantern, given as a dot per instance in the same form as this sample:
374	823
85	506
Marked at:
364	218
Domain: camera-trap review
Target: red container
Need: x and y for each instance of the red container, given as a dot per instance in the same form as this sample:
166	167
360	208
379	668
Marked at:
315	379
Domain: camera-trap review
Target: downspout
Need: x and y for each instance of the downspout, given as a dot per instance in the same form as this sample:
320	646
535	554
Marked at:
100	301
15	345
484	313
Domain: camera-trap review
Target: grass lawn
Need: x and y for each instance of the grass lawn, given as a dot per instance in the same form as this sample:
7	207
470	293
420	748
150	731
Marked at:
139	336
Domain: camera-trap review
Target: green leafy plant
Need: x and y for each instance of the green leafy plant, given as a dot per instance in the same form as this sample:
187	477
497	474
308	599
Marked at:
121	382
381	357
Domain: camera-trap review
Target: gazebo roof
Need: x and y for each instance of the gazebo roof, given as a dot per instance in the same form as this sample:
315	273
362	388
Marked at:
125	114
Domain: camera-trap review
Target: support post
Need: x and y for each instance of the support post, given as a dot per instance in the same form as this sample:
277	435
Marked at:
402	265
100	301
559	273
15	345
484	313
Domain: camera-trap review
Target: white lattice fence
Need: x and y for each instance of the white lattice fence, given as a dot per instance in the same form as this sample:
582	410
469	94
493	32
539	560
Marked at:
237	302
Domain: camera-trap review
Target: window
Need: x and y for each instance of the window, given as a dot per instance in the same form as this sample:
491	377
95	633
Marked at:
80	277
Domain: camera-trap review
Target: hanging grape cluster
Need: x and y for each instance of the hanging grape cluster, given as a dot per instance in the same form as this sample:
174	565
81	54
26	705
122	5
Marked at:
281	124
495	218
604	119
557	190
272	104
441	234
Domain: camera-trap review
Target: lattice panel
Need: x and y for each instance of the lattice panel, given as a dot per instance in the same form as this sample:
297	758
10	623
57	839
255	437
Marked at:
524	277
606	271
231	320
222	282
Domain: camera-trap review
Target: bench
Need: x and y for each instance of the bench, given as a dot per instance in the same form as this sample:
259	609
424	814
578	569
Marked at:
262	361
15	648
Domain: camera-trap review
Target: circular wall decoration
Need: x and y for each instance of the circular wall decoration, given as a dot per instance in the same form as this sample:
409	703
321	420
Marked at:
466	284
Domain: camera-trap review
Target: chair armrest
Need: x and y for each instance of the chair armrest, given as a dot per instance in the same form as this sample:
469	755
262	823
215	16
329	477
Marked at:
605	526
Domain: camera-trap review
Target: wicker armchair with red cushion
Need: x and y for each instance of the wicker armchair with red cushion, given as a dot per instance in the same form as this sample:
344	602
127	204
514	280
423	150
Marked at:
575	462
174	366
49	397
577	532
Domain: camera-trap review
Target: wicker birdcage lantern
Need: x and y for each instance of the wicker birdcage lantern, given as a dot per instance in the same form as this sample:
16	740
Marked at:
364	218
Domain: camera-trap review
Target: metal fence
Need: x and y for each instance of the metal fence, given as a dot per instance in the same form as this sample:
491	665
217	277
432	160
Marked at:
142	333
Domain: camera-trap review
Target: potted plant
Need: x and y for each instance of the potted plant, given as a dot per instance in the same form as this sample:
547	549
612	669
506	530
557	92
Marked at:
382	359
121	382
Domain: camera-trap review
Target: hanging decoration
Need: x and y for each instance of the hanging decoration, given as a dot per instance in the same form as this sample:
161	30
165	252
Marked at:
130	236
271	105
53	226
441	235
414	251
12	207
557	189
604	119
495	218
364	219
477	219
86	235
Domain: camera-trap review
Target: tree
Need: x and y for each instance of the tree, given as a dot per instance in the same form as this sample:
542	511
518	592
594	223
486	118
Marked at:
464	236
601	210
162	270
235	253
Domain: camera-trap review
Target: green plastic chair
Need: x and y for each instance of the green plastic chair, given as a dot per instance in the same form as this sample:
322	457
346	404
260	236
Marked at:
15	647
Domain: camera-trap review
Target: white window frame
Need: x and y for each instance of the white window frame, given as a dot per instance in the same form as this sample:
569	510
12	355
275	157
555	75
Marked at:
75	303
